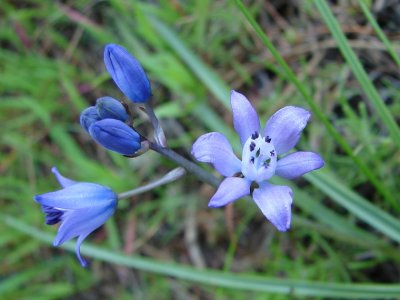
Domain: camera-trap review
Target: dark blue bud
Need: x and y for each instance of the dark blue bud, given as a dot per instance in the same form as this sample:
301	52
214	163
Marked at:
110	108
116	136
127	73
88	117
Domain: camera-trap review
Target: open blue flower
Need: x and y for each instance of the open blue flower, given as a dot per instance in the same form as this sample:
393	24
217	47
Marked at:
259	159
80	207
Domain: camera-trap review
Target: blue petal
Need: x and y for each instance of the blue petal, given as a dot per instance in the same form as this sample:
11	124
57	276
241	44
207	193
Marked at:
88	116
82	222
110	108
275	203
79	241
214	148
245	118
79	195
127	73
63	181
230	189
297	164
116	136
285	127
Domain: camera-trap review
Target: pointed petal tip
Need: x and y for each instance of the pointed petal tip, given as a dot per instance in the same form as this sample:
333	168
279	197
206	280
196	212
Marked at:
283	229
84	263
37	198
213	204
234	93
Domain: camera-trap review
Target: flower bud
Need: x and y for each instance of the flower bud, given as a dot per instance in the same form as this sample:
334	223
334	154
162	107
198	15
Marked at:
88	117
127	73
116	136
110	108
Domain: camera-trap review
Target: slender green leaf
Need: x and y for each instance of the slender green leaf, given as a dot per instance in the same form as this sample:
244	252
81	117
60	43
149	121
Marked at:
218	278
356	204
379	32
358	70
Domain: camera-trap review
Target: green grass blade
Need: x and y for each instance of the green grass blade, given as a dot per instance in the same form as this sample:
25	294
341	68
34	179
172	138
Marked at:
288	72
210	79
358	70
379	32
356	204
219	278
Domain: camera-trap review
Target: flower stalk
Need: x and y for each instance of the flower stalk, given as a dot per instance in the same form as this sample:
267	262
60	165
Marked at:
191	167
167	178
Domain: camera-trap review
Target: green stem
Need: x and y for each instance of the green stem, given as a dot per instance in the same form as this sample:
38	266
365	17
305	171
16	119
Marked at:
167	178
191	167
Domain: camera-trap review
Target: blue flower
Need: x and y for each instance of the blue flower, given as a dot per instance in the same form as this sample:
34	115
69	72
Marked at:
259	159
80	207
127	73
116	136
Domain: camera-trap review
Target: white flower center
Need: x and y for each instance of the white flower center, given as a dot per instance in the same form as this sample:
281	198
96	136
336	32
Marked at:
258	158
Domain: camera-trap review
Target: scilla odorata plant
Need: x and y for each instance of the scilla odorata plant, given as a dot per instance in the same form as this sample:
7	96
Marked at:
82	207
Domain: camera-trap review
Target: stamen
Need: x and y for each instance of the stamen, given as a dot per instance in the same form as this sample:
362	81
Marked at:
267	139
255	135
258	152
252	146
272	153
266	163
252	160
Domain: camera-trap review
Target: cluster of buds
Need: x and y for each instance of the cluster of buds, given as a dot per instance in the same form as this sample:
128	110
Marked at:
82	207
108	121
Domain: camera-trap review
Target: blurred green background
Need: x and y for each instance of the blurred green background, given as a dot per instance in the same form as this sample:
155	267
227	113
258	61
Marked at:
166	244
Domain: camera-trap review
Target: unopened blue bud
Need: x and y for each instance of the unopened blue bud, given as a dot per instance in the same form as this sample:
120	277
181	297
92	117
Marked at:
88	117
127	73
116	136
110	108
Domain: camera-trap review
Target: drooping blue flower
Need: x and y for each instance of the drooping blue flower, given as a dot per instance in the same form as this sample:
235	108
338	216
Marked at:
110	108
127	73
116	136
88	116
80	207
259	162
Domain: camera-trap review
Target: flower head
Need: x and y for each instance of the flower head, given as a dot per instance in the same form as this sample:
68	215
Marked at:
80	207
127	73
259	162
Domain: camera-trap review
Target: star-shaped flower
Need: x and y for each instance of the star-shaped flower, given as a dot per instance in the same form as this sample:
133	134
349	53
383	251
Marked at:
260	162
